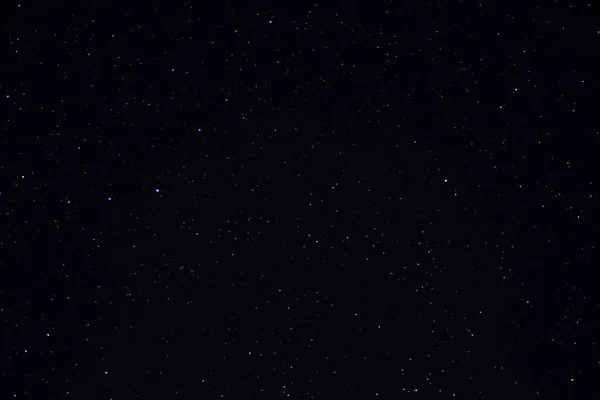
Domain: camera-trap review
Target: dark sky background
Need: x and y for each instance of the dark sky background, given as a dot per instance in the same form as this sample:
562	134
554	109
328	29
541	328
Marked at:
264	200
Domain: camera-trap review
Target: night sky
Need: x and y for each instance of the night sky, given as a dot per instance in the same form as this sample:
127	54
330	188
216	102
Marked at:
268	200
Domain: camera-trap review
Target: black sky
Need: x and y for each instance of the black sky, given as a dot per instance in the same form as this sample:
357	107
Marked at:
342	200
